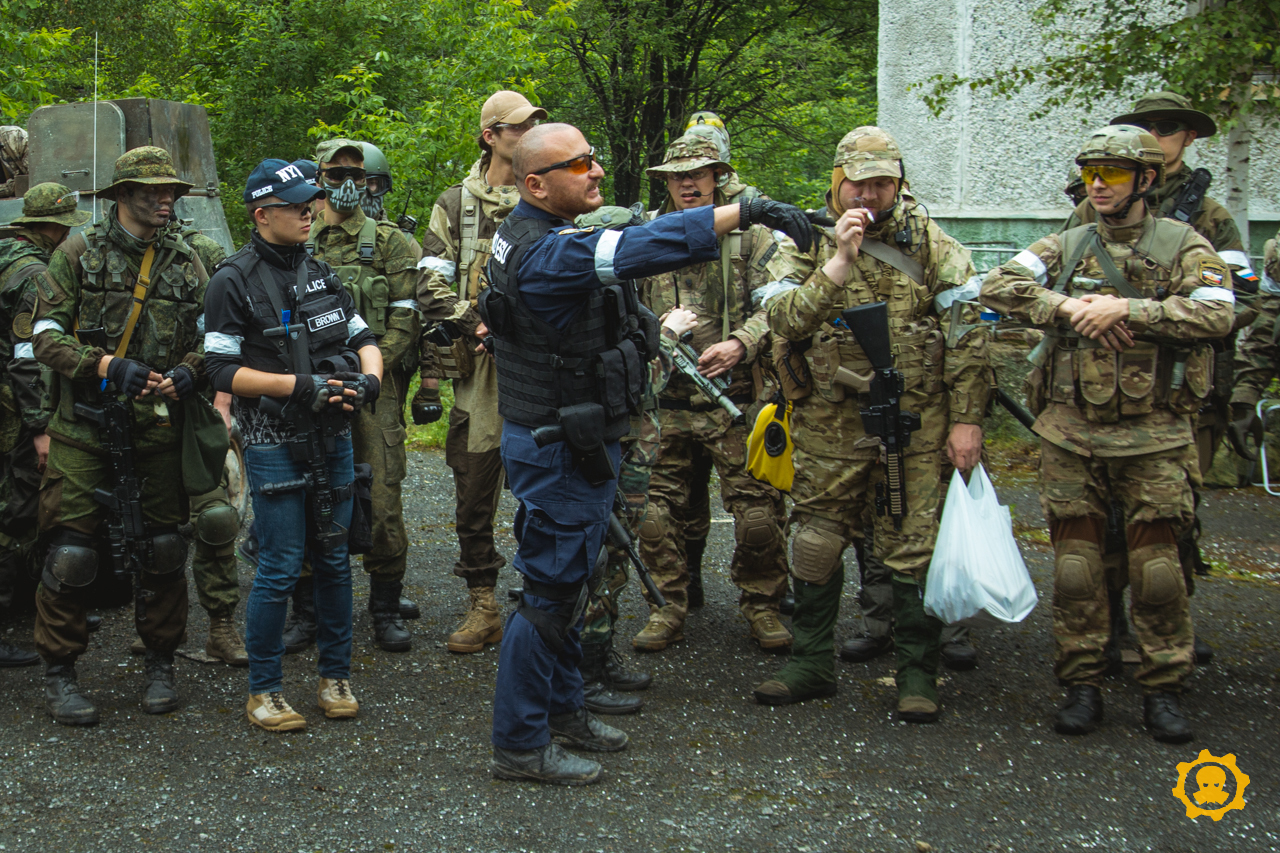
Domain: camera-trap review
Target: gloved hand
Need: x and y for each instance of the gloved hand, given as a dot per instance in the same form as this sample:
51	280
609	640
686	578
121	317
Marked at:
426	407
1244	420
312	391
184	381
129	376
366	385
784	217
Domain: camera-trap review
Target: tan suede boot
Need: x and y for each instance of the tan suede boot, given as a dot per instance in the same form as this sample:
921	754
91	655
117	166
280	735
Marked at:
482	626
224	642
767	629
665	626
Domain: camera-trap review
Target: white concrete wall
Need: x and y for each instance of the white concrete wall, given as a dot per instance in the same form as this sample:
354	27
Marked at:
983	158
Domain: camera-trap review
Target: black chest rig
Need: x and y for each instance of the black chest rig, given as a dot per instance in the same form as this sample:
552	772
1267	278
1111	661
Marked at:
273	291
601	357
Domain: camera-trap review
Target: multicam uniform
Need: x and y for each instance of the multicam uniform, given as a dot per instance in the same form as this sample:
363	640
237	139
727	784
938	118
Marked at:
1120	425
13	158
1257	356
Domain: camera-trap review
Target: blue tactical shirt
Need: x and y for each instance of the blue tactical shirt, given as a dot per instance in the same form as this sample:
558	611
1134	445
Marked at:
558	271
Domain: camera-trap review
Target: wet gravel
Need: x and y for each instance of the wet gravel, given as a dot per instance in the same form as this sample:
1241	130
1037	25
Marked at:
707	769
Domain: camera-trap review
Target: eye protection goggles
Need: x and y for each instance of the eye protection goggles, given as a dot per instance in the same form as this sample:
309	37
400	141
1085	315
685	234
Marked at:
694	175
1111	175
336	175
302	209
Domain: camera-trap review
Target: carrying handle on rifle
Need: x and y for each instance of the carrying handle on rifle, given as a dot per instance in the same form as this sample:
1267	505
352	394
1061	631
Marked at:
140	291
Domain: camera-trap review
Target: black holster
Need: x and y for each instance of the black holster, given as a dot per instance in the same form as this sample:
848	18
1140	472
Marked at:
553	625
583	427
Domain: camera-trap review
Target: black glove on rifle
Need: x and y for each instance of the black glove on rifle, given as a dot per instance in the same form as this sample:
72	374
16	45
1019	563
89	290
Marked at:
128	375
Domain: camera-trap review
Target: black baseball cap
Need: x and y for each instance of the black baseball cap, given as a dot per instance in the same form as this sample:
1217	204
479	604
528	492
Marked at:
286	181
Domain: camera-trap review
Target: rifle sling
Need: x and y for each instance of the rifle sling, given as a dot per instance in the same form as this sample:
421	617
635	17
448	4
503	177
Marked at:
140	291
895	258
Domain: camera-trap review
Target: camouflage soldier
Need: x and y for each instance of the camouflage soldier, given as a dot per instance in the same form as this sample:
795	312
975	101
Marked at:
730	339
1257	356
455	251
377	266
48	215
836	462
86	294
377	184
13	158
1128	306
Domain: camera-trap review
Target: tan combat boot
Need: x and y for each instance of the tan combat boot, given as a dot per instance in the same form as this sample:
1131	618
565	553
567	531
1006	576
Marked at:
767	629
665	626
483	624
224	643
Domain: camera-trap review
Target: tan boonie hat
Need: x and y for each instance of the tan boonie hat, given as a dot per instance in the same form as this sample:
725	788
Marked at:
146	164
689	152
50	202
329	149
1159	106
868	152
507	107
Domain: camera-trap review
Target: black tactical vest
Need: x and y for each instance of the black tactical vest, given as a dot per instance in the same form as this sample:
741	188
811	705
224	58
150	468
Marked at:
600	357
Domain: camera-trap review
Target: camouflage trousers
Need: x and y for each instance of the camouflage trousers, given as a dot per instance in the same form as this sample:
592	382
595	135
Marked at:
759	565
477	480
213	562
639	453
1154	492
19	495
377	438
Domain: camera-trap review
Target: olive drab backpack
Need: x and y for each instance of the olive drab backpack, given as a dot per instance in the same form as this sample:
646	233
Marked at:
370	291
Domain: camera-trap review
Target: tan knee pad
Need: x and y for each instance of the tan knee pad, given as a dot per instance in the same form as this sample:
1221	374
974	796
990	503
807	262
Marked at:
815	554
1077	569
759	528
1155	575
650	529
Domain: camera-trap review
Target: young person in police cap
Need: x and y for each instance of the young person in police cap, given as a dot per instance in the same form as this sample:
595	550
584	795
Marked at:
570	344
254	355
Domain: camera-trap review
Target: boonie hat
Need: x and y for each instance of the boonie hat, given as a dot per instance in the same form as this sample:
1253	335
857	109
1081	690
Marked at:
1158	106
689	152
50	202
868	152
329	149
507	107
286	181
146	164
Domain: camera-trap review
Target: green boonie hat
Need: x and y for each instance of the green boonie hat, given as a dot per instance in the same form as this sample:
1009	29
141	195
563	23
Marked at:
689	152
868	152
50	202
329	149
1169	105
1124	142
145	165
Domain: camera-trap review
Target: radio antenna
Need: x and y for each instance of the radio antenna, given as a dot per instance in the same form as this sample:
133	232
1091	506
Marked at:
95	129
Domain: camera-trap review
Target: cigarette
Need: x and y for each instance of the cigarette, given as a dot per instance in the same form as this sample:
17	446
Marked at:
861	203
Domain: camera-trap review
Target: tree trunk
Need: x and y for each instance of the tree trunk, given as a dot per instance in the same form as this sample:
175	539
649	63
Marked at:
1239	142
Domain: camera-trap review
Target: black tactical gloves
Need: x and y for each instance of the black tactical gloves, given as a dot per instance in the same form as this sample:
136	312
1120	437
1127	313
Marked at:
184	381
312	391
128	375
784	217
426	406
366	385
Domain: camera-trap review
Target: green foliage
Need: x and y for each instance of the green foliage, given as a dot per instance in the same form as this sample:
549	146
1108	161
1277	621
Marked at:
1223	58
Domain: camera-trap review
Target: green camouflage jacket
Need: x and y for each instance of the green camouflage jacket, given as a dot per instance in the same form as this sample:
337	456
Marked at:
943	385
1257	358
22	260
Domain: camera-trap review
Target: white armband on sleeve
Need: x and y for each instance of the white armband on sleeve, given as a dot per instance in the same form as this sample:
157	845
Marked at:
606	248
966	292
47	325
217	342
355	326
763	295
1213	294
1032	261
448	269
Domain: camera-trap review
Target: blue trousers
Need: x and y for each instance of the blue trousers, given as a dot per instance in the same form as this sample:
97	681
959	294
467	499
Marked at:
560	527
281	525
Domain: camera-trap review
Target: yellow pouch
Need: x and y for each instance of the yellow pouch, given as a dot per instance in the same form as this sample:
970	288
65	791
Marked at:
769	447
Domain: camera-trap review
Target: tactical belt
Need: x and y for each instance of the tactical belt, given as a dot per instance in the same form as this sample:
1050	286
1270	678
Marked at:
687	406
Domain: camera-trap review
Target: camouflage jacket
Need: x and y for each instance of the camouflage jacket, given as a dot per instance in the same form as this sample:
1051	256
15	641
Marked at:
1257	357
721	297
89	285
943	385
387	286
1091	400
22	261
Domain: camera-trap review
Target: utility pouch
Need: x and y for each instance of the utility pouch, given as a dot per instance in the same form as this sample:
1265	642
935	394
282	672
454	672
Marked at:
824	358
584	432
794	376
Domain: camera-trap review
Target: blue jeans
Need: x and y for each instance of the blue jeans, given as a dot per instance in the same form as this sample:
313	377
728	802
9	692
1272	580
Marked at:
281	523
560	527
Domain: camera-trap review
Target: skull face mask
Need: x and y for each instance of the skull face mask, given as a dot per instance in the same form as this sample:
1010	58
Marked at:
371	204
345	198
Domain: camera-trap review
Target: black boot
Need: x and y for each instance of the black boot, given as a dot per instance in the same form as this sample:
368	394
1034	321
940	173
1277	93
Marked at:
693	549
62	698
409	609
160	696
300	630
13	656
384	605
93	622
959	654
579	730
621	678
864	647
597	695
1204	652
1082	712
549	764
1164	718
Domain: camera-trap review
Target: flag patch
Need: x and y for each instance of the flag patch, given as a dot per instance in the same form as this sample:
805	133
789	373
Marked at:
1213	273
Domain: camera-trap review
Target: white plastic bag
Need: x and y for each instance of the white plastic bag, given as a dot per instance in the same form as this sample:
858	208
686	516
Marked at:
977	576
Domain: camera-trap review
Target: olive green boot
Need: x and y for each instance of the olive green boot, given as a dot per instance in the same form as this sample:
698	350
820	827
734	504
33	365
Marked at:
917	637
811	672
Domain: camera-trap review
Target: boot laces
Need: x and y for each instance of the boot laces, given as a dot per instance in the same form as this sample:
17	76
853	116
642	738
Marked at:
768	622
475	623
276	700
341	689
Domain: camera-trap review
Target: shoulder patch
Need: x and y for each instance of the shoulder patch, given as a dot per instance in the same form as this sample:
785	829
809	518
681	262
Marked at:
586	230
1212	272
49	290
22	325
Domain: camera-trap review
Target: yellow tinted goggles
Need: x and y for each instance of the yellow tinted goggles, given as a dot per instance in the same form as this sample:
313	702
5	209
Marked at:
1111	175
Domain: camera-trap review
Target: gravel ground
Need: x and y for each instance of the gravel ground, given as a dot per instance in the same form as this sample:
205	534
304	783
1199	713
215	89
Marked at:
707	769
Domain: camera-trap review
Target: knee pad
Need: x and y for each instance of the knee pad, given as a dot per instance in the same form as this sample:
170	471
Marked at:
218	525
651	528
168	552
72	561
759	529
815	554
1156	575
1077	570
